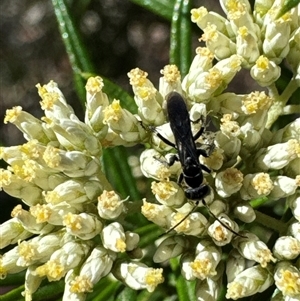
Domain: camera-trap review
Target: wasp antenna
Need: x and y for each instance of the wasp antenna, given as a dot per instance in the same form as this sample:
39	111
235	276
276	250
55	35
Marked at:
224	225
191	211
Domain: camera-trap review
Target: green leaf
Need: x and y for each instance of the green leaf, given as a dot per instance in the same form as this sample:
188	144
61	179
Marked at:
127	294
185	289
115	160
288	5
180	44
104	290
163	8
80	60
119	172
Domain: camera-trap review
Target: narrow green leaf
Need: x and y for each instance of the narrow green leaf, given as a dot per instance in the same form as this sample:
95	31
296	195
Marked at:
185	289
163	8
81	65
180	44
288	5
104	290
127	294
80	60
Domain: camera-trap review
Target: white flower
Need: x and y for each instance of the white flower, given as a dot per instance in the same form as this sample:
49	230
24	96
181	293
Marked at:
253	249
110	205
169	248
83	225
113	237
236	263
228	182
265	71
286	248
123	123
139	276
96	102
250	281
204	264
287	279
147	98
168	193
11	232
220	234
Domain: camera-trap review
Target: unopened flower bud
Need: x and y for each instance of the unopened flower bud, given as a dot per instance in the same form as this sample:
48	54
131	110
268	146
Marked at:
244	212
249	282
169	248
138	276
253	249
113	237
286	248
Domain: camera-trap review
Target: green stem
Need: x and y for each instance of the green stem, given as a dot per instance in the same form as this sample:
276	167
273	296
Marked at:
270	222
280	101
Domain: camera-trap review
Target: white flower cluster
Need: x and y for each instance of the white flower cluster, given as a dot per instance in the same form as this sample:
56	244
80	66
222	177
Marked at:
72	228
250	162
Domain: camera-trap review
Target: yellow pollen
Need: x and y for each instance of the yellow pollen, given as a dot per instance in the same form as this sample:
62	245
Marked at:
72	221
12	114
145	92
52	269
94	85
52	157
256	101
5	177
26	251
198	14
202	268
113	112
48	98
17	211
262	183
137	77
236	9
41	213
234	290
109	199
171	73
210	33
149	210
293	147
289	283
154	277
214	78
243	31
204	51
264	257
25	171
30	149
52	197
184	225
81	284
163	173
262	63
220	234
163	190
121	245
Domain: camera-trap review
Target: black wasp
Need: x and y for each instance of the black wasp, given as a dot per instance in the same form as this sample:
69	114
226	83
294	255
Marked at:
187	153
